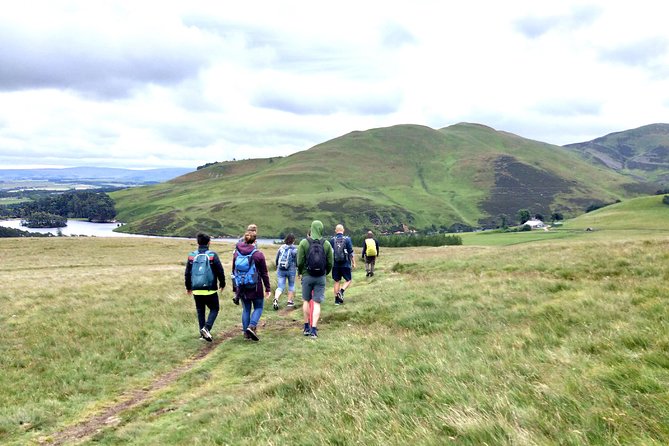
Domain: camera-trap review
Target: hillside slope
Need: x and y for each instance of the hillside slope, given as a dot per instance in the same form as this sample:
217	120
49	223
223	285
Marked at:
386	178
637	214
642	152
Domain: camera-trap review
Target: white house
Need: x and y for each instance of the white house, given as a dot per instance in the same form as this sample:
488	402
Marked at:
535	224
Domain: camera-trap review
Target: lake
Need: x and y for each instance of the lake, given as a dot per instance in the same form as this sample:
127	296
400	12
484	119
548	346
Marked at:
85	228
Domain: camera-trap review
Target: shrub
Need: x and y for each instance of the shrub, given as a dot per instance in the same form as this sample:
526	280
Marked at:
404	240
665	199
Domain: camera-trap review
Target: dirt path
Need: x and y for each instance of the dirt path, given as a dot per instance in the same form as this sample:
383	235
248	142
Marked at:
111	415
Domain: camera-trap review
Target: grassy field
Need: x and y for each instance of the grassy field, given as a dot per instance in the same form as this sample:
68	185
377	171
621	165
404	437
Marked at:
560	341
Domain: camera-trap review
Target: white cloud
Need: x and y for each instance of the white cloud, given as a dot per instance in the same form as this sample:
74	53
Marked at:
156	84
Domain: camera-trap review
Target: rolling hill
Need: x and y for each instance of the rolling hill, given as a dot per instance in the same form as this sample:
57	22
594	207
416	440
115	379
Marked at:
386	178
642	152
640	214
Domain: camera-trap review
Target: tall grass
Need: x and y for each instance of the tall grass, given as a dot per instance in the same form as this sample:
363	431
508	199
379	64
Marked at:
559	342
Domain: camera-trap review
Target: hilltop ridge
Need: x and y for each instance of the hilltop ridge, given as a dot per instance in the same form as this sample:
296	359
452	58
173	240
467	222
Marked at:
382	178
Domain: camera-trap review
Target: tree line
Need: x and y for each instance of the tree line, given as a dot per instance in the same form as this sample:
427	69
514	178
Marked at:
93	206
405	240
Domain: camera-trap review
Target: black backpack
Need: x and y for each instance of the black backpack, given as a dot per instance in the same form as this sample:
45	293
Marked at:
316	260
340	251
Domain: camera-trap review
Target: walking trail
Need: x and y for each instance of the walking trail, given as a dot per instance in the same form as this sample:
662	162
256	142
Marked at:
110	416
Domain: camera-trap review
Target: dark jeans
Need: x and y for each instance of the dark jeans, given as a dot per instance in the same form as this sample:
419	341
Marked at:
249	318
201	302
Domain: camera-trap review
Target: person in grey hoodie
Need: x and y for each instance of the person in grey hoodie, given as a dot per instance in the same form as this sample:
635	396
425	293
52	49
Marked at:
313	276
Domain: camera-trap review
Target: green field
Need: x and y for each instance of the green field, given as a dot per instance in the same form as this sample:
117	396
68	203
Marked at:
513	341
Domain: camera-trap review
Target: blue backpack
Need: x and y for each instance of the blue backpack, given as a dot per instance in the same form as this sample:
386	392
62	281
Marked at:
246	274
201	275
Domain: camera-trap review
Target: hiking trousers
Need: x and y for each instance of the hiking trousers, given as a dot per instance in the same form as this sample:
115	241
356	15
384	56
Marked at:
202	302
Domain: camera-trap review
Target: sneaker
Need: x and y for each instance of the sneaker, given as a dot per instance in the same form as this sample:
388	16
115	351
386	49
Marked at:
307	330
290	303
275	304
314	332
368	273
246	336
371	274
205	334
251	330
202	338
339	299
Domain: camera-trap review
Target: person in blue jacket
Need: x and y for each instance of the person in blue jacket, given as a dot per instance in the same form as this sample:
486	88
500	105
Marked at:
286	270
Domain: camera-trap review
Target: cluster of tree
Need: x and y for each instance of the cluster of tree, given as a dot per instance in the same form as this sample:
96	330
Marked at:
11	232
94	206
397	241
665	199
595	206
44	220
454	228
662	191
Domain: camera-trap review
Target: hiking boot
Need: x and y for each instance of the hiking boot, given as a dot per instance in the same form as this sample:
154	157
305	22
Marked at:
205	334
314	332
246	336
368	273
371	274
307	330
251	330
290	304
275	304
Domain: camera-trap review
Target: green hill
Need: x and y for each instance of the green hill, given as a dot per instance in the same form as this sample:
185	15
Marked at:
642	152
386	178
639	214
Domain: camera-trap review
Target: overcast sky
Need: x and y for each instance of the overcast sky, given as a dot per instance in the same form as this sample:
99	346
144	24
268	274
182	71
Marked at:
142	84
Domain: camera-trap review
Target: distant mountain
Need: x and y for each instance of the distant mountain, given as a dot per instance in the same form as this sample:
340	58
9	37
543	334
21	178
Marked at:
380	179
642	152
97	174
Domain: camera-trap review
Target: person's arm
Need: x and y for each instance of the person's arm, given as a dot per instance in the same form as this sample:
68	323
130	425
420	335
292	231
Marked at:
329	252
234	283
261	264
377	247
187	276
351	252
219	271
301	254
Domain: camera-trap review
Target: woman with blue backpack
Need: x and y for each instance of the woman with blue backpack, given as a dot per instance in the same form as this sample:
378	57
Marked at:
286	270
249	273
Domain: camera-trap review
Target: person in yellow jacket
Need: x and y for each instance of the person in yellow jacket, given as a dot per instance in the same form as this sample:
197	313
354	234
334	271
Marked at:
370	251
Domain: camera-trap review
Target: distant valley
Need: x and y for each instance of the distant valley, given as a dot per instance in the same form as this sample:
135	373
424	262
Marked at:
84	177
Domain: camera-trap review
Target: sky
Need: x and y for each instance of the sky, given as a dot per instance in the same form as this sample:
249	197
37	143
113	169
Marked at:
147	84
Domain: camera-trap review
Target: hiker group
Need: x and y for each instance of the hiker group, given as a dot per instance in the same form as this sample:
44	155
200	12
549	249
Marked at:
310	261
